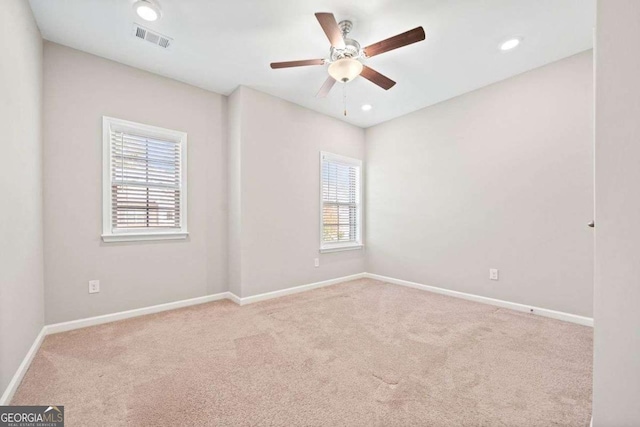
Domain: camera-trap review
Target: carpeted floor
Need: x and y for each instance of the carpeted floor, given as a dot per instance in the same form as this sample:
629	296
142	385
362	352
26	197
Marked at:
361	353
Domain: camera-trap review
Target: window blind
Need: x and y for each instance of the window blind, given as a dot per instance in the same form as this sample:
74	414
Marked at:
340	201
145	182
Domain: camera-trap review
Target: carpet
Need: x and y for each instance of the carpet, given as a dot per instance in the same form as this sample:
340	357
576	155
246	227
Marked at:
361	353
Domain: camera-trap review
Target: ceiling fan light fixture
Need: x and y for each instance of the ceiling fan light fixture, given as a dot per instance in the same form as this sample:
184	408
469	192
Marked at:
147	10
345	53
345	69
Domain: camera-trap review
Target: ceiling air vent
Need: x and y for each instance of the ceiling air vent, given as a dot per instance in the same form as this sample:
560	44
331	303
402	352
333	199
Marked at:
151	36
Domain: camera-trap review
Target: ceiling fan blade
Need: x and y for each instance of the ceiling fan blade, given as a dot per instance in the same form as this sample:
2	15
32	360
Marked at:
302	63
331	29
404	39
375	77
326	87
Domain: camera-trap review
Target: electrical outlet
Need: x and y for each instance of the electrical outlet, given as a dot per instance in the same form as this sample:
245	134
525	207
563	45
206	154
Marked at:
94	286
316	262
493	273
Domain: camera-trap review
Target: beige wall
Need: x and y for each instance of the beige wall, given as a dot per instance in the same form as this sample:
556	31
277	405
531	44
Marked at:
21	276
456	217
450	160
79	89
616	376
277	181
496	178
258	156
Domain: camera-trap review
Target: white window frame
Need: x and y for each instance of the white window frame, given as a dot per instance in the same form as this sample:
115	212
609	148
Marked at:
343	246
140	234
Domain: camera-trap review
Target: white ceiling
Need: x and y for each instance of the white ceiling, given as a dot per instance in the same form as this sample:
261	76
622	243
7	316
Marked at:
222	44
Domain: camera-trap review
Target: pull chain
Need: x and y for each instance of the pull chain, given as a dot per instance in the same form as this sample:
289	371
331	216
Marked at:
344	97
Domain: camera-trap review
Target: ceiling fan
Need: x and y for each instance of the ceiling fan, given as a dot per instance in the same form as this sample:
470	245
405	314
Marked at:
345	54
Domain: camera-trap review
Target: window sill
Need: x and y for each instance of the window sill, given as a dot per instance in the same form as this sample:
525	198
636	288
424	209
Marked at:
141	237
341	248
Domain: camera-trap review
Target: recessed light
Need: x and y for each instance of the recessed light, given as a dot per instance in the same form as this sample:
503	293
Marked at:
366	107
147	10
510	44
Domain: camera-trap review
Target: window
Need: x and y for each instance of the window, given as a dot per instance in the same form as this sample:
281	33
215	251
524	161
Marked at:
144	182
341	198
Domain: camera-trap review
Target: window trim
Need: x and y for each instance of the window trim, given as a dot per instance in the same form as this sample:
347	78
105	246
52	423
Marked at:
345	246
140	234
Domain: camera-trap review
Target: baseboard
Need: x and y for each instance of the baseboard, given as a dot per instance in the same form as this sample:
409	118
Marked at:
294	290
107	318
235	298
22	369
559	315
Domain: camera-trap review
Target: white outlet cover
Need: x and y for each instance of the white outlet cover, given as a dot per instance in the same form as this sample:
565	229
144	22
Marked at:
493	273
316	262
94	286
